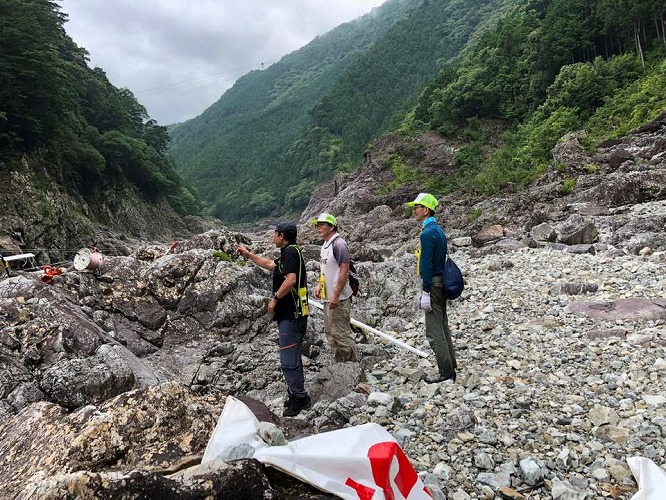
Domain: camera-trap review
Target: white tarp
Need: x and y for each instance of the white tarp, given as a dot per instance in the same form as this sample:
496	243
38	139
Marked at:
650	477
363	462
236	425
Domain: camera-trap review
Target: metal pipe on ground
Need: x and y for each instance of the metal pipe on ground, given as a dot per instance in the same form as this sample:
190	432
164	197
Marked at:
383	335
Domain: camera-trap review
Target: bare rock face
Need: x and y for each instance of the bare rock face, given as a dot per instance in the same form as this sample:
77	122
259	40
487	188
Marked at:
621	173
628	188
80	381
641	231
86	337
9	245
148	429
120	349
215	479
142	444
368	211
53	219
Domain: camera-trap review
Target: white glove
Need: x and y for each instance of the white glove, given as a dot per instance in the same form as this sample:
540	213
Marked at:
425	302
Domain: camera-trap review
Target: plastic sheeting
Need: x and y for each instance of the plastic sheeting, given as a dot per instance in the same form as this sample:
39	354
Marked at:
650	477
363	462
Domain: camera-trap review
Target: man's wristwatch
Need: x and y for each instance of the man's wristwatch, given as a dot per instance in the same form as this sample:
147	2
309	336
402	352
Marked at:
275	297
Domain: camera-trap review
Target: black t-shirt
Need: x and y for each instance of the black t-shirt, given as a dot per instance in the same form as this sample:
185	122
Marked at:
289	262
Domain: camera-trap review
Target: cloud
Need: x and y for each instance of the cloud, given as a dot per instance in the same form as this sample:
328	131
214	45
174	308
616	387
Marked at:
178	57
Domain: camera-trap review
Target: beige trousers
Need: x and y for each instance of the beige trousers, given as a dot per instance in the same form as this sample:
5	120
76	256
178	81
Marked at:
339	333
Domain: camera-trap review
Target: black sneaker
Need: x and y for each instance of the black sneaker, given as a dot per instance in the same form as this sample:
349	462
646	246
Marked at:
296	405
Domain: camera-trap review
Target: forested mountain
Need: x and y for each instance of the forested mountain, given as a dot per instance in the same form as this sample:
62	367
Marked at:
504	79
278	132
548	67
69	121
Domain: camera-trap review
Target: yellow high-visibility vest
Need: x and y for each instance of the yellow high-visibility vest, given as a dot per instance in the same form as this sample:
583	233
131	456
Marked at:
417	253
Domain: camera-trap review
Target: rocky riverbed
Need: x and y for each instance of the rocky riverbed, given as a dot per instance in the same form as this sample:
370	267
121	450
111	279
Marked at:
561	354
111	382
555	390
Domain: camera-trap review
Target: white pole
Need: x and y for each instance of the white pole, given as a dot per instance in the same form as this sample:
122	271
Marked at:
395	341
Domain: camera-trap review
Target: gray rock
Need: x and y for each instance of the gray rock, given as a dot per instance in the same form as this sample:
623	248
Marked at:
488	235
80	381
435	491
385	400
23	395
600	415
484	461
563	490
577	231
237	452
532	471
543	232
495	481
271	434
582	249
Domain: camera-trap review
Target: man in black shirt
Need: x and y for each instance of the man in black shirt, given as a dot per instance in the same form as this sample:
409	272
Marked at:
288	306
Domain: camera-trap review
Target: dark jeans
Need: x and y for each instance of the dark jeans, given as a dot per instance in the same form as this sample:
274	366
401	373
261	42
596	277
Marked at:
292	332
438	332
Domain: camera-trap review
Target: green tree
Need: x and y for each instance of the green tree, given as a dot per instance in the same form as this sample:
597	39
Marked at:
35	87
97	136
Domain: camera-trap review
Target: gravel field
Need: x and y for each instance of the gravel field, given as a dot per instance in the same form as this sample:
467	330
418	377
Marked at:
561	377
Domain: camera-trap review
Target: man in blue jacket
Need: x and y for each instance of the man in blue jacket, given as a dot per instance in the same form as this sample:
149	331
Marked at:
430	259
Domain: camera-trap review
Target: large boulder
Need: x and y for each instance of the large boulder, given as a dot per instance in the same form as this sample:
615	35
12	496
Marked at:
215	479
576	230
487	235
148	429
76	382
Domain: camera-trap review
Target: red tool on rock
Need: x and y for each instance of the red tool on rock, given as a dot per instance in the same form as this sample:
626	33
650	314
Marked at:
173	245
50	272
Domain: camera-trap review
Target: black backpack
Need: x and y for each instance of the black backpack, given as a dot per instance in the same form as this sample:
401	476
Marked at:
453	283
353	278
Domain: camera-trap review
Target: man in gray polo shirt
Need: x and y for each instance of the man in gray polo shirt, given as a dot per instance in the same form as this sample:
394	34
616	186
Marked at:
333	289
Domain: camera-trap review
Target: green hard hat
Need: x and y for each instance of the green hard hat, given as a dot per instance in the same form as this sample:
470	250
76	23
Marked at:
425	199
325	217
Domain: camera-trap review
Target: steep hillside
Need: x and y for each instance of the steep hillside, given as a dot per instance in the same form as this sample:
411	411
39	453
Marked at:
231	149
41	216
628	172
277	132
75	151
375	93
539	74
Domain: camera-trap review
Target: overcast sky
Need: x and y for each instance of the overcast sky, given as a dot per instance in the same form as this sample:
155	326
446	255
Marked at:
179	56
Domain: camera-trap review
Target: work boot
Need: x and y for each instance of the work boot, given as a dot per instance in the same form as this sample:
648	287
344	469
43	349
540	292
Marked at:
440	377
287	401
296	405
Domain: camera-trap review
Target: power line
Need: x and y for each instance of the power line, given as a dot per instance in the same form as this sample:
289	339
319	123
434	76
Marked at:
201	78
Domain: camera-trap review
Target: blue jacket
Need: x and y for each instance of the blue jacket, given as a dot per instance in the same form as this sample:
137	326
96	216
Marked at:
433	252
